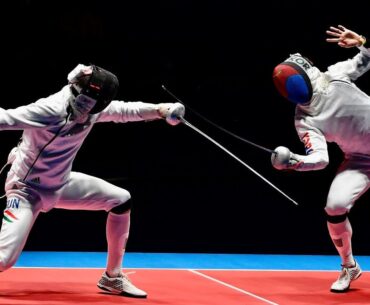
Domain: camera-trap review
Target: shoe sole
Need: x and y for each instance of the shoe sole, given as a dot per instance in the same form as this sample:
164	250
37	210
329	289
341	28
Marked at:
339	291
122	293
345	290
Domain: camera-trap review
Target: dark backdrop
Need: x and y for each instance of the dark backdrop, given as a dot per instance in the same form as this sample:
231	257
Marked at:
217	56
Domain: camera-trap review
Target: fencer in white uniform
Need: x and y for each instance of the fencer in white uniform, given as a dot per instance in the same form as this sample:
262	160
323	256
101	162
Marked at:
41	177
331	108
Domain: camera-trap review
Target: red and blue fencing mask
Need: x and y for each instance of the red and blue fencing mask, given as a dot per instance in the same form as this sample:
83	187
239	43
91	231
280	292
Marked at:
291	79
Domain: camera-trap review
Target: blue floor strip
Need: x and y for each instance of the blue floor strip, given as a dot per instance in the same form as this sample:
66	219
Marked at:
187	261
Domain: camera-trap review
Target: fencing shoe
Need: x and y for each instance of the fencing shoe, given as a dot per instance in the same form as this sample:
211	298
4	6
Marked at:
120	285
347	275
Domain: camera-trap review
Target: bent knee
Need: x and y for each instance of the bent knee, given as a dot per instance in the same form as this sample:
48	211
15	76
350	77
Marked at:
338	205
122	202
122	208
121	196
126	196
115	198
335	209
5	264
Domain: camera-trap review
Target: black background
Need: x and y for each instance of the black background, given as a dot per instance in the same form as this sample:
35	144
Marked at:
217	56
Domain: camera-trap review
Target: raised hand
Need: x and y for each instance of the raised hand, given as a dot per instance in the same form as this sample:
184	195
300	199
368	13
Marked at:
344	37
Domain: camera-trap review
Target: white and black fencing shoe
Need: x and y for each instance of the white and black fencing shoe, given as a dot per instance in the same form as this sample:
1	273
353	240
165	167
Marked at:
120	285
347	275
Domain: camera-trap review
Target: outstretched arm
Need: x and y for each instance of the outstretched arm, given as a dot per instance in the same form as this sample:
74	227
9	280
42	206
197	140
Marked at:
122	112
344	37
40	114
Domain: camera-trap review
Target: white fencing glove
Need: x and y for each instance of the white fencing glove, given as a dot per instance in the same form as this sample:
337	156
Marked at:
172	112
283	158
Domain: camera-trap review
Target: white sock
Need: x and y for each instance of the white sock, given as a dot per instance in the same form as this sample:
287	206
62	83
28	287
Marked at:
341	234
117	231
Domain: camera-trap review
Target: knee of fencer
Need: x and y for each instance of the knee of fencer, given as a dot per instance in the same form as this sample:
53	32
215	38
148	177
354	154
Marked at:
126	197
338	203
5	264
122	207
122	196
335	210
336	213
338	206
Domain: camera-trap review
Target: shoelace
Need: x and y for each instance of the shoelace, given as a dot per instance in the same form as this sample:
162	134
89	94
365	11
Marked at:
126	277
344	273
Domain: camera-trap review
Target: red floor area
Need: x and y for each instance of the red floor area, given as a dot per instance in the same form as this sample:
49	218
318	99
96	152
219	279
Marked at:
179	287
297	288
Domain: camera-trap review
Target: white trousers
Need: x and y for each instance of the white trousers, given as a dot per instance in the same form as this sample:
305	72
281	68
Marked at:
351	181
82	192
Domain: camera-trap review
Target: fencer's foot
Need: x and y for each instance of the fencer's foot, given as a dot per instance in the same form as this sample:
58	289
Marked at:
347	275
120	285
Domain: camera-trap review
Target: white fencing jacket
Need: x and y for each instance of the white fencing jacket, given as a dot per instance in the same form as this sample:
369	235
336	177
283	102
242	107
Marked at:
47	165
338	112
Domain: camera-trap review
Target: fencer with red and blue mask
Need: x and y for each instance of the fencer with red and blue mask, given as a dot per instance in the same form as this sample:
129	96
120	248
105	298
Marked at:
291	79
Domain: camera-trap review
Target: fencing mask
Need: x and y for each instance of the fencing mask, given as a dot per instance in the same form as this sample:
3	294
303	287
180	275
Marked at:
96	83
291	79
